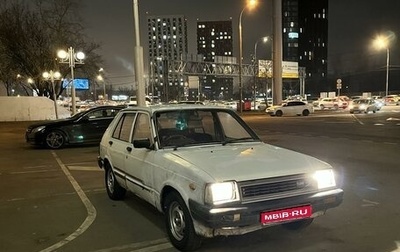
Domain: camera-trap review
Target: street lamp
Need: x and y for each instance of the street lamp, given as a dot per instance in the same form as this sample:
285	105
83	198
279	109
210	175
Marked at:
264	40
71	58
250	4
383	43
53	76
100	78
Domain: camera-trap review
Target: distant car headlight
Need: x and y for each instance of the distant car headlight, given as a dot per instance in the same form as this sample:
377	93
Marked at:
325	178
351	106
363	106
38	129
219	193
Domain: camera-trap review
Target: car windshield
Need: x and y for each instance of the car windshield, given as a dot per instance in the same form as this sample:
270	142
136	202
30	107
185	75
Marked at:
188	127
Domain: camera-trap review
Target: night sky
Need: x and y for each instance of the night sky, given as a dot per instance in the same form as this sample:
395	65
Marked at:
353	24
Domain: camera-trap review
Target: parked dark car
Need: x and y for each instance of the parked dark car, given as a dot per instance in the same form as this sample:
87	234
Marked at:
86	127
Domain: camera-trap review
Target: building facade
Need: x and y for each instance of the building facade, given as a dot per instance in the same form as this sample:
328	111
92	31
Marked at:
305	40
215	44
167	37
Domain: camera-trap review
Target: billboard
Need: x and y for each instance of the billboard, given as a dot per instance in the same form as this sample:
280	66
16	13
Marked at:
289	69
80	83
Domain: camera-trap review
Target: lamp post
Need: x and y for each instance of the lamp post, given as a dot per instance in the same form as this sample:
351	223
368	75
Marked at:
250	5
71	58
383	43
53	76
264	40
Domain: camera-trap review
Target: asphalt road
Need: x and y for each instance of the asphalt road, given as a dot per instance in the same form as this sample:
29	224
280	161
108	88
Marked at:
55	200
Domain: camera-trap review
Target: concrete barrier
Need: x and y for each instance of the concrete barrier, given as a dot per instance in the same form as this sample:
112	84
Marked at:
28	108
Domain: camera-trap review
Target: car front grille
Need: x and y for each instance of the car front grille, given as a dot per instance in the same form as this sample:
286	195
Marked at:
278	187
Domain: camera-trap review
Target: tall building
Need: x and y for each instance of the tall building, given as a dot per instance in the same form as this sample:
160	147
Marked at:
167	37
305	40
215	44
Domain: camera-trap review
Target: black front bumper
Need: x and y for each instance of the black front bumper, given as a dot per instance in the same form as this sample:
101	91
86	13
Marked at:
242	215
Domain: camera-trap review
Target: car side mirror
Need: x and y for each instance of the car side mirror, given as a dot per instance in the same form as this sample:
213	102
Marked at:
142	143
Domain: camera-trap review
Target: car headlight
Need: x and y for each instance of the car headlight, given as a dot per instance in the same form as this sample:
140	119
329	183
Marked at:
325	178
37	129
219	193
363	106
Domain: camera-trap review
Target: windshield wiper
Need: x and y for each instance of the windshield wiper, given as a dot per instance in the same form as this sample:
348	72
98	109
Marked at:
236	140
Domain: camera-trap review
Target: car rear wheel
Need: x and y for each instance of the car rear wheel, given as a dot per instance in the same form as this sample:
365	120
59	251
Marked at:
297	225
279	113
306	112
114	190
55	139
179	224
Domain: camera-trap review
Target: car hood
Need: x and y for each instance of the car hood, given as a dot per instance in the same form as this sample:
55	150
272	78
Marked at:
248	161
51	123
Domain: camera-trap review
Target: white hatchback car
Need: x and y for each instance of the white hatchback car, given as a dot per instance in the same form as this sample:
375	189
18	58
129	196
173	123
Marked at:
326	103
210	174
291	108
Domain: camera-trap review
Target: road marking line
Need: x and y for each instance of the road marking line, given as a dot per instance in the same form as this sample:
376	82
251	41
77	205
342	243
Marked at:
369	203
391	143
358	120
34	167
27	172
155	248
160	243
91	210
83	168
397	245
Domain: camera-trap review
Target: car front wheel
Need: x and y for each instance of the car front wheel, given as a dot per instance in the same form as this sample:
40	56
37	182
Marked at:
55	139
306	112
179	224
114	189
279	113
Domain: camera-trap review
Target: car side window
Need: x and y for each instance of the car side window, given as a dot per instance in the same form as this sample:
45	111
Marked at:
124	127
142	129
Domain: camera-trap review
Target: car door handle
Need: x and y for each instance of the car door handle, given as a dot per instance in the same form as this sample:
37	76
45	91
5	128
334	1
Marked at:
129	149
110	143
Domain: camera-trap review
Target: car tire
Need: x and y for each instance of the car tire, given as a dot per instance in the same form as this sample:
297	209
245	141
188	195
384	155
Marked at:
279	113
179	224
322	107
114	190
55	139
297	225
306	112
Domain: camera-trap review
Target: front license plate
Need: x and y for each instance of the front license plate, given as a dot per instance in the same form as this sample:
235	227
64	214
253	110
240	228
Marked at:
286	214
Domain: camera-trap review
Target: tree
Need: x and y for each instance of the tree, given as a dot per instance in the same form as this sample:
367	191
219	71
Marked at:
30	36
